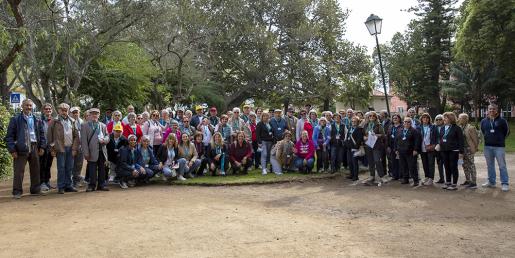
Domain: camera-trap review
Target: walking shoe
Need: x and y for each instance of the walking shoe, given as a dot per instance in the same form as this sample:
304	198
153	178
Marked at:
452	188
369	181
415	184
264	172
105	189
472	186
44	187
123	185
446	185
181	178
425	180
349	177
17	196
355	182
60	191
505	188
279	174
111	179
222	173
50	186
487	184
382	181
441	181
132	183
428	182
39	193
188	175
70	190
90	189
465	183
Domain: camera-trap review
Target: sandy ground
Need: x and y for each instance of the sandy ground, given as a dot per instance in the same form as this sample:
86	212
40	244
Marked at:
326	218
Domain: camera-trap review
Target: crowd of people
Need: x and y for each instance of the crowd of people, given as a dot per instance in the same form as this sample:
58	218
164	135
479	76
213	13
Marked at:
176	145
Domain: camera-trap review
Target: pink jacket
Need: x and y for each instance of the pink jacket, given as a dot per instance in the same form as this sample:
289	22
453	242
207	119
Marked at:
168	131
305	150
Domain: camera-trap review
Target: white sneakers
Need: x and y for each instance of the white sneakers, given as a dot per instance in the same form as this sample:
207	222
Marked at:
181	178
264	172
428	182
505	188
487	184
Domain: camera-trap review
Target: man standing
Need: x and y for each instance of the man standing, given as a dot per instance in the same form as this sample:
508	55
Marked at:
108	116
25	141
246	113
495	130
198	117
94	139
300	124
213	118
412	114
79	158
278	125
45	161
130	109
64	143
291	123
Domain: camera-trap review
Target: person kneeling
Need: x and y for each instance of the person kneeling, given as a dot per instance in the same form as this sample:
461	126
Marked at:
146	160
188	158
167	156
282	154
305	152
218	155
128	168
240	154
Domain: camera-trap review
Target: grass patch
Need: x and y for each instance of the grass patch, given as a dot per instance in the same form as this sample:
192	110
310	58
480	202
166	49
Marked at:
510	140
253	177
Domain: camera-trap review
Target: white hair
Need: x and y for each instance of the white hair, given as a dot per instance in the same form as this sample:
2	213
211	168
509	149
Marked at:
236	110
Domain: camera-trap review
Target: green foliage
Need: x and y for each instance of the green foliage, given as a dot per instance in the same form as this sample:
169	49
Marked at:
485	42
5	156
119	77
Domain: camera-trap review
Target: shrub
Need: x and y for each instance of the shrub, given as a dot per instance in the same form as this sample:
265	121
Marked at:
5	156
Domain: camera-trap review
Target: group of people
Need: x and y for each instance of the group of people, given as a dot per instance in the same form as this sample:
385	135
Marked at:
130	150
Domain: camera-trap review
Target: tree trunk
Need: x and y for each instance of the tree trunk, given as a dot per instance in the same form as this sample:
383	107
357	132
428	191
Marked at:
5	88
286	102
326	104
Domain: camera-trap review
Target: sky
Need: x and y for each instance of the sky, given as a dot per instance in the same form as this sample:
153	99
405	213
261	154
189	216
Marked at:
394	19
391	11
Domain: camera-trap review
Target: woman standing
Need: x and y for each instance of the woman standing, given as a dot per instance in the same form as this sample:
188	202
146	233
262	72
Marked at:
252	126
321	137
154	131
224	129
471	144
172	129
132	127
376	152
451	148
428	143
353	141
393	162
338	132
264	137
439	162
407	147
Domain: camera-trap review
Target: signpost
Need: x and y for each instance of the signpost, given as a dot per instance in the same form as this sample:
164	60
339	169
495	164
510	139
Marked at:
15	98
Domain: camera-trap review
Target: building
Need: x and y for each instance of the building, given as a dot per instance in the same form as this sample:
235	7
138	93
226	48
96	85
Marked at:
378	103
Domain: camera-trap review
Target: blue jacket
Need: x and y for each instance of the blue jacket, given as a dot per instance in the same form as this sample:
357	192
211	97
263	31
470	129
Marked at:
127	162
500	129
278	127
316	133
152	163
17	131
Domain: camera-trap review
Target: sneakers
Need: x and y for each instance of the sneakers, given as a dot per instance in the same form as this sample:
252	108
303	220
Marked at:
181	178
487	184
111	179
123	185
278	173
264	172
382	181
505	188
44	187
466	183
452	188
472	186
17	196
355	182
50	186
446	185
222	173
441	181
369	181
415	184
428	182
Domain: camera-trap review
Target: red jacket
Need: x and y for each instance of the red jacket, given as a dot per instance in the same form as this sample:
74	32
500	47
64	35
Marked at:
237	152
127	130
308	127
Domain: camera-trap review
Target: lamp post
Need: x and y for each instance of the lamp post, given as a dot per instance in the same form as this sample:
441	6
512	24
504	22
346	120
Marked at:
374	24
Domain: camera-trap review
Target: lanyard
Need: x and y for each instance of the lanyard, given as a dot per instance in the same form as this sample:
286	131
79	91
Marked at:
133	129
94	127
492	123
30	122
337	128
446	131
352	130
394	130
425	130
404	133
370	126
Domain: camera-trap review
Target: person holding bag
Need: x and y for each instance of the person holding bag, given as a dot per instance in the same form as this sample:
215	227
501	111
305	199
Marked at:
355	149
375	153
428	143
407	147
451	147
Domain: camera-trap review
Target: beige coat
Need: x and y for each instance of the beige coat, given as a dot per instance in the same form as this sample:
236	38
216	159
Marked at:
92	150
471	137
55	136
192	153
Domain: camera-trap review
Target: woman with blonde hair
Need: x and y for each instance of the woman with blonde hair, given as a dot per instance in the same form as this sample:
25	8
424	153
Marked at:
188	158
168	155
154	130
218	155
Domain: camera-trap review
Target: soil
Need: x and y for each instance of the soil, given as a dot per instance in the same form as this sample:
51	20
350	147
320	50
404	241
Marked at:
323	218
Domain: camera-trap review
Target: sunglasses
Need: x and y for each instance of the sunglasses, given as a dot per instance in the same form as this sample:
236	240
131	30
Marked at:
407	122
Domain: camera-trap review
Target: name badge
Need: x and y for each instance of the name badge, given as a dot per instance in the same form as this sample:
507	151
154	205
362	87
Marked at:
146	166
337	137
444	140
115	150
393	136
279	129
270	133
492	131
403	138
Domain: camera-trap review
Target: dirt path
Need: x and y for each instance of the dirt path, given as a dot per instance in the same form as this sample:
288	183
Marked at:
326	218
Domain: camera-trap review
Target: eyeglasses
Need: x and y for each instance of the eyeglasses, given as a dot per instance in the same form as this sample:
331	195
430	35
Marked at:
407	122
186	121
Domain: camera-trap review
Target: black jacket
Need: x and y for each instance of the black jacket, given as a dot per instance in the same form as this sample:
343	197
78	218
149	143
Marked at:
391	135
212	153
162	154
17	133
113	150
357	135
408	144
263	134
433	137
337	142
454	140
127	162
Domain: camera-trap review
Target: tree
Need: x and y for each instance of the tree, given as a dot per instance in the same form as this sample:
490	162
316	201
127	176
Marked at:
485	43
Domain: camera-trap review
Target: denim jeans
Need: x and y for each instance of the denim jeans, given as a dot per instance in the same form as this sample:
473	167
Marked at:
183	166
299	163
337	153
64	168
266	147
492	154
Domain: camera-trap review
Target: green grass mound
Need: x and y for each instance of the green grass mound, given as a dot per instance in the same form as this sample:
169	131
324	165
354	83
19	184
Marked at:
253	177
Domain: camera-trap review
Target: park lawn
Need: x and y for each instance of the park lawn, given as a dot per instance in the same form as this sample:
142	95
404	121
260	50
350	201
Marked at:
253	177
510	141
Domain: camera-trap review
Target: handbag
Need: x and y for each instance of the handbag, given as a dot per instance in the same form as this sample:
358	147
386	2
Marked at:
437	147
361	150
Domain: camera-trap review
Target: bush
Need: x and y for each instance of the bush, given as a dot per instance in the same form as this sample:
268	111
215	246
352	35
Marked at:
5	156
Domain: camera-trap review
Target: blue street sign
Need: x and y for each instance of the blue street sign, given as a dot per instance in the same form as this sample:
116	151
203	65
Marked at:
15	98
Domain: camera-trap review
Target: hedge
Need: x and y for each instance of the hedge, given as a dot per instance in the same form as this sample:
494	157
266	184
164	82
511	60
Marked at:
5	157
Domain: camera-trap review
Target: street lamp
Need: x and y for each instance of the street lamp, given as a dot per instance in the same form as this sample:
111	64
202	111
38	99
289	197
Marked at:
374	24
